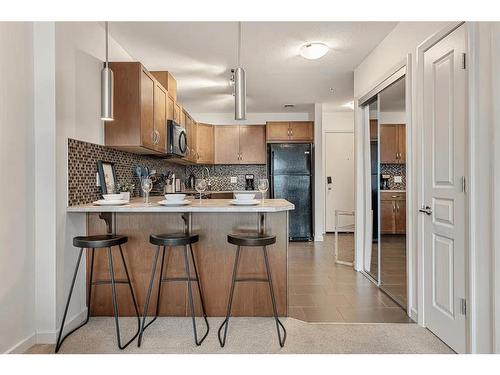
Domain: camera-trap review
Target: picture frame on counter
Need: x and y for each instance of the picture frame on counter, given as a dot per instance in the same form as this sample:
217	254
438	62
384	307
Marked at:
107	176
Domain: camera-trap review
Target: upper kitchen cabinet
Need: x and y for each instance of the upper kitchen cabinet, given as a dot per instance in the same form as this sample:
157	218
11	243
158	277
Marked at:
295	131
204	143
177	113
168	81
392	143
240	144
140	111
191	138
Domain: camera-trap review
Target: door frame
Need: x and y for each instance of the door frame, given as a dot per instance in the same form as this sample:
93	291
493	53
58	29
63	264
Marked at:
325	185
363	198
469	171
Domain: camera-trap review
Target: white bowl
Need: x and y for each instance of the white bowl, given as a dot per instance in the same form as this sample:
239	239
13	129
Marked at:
112	197
175	197
244	196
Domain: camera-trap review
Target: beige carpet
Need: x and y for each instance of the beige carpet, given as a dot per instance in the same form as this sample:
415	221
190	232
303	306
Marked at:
255	335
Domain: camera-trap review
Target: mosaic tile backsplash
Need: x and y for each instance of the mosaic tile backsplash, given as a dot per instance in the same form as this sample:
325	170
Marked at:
220	175
395	170
82	170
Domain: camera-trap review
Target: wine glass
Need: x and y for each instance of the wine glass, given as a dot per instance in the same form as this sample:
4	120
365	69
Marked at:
147	186
263	186
201	186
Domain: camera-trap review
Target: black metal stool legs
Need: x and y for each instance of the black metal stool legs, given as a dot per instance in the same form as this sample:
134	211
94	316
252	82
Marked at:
115	302
59	341
148	296
190	293
225	323
271	290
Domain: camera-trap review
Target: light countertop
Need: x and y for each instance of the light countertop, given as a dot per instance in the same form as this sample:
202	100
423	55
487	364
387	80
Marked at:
206	205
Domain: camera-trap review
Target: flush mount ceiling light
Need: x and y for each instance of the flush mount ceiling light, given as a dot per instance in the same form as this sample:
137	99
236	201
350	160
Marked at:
240	91
106	86
313	51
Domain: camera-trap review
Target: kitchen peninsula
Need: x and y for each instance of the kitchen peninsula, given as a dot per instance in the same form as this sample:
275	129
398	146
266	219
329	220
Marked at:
213	220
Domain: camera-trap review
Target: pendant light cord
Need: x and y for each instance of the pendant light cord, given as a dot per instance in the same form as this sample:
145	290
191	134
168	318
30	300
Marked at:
106	28
239	45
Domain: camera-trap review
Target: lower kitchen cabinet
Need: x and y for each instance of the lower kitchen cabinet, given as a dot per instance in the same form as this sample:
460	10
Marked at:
392	212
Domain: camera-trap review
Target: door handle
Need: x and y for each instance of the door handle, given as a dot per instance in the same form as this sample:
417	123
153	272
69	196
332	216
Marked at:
426	210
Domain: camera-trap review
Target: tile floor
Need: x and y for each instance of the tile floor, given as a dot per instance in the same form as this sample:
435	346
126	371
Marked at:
322	291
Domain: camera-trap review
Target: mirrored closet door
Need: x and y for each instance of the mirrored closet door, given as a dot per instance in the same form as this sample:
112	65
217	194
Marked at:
385	260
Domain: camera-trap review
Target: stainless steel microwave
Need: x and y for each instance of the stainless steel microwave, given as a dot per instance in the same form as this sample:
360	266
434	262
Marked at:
176	139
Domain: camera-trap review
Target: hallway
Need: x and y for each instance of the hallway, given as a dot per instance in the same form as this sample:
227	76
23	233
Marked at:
322	291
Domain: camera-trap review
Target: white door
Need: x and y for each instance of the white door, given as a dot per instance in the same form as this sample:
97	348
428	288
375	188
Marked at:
339	167
444	168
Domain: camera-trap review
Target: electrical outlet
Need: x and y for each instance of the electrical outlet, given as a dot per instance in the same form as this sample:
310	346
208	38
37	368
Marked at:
234	180
398	179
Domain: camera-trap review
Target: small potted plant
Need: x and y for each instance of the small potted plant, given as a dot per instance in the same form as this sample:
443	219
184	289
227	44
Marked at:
125	189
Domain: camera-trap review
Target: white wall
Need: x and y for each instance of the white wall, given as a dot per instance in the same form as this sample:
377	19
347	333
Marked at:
392	118
79	51
338	121
403	39
319	190
495	73
252	118
17	255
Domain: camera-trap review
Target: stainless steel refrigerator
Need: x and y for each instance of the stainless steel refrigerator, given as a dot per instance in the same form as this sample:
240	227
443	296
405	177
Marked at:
290	169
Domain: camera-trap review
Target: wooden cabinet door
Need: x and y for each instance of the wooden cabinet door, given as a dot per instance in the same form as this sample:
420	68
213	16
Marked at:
278	131
302	131
227	144
401	143
388	143
373	130
401	216
147	89
160	117
252	144
194	141
205	143
170	107
183	119
387	217
177	113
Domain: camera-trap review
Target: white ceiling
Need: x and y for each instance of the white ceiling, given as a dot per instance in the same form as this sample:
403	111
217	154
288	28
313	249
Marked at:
201	54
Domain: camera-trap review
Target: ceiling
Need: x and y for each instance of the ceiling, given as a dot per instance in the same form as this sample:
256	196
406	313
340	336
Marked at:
201	54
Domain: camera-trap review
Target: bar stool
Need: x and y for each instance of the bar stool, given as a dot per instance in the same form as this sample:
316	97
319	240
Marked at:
164	240
100	242
251	240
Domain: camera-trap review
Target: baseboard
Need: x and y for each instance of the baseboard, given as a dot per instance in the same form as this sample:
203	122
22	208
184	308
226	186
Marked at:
50	337
414	315
23	345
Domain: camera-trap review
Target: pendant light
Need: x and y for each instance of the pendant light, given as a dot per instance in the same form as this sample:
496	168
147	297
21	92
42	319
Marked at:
106	86
240	91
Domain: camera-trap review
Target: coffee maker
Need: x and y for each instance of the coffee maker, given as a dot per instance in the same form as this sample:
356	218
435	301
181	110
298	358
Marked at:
249	182
384	181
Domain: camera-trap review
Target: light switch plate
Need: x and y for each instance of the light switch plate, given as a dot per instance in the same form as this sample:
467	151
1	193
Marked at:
234	180
398	179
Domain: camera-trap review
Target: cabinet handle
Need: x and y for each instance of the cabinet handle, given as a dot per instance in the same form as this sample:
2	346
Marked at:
397	206
393	207
153	137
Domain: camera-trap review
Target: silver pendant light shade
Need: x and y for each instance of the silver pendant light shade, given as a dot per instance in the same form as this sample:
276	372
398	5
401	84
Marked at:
240	94
106	87
240	90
